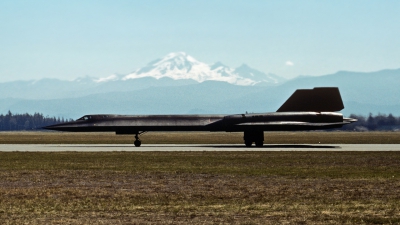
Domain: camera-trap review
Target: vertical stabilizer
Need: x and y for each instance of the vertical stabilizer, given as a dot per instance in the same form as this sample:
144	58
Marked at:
321	99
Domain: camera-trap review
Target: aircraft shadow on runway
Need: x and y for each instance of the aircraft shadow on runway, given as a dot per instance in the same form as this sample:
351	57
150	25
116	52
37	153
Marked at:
275	146
211	146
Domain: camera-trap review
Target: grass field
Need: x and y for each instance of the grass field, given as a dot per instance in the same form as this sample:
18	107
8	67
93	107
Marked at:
199	187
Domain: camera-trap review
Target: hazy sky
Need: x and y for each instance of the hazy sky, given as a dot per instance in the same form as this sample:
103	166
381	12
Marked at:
67	39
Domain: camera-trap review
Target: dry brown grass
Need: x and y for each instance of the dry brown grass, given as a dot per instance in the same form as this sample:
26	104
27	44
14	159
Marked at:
200	138
200	188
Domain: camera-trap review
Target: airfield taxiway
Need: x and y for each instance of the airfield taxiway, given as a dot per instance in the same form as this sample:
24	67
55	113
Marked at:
193	147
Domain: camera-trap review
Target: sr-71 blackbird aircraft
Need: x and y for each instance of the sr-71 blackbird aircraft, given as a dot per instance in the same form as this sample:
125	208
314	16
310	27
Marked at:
306	109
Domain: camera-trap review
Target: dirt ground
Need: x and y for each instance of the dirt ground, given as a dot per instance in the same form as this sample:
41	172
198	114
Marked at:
200	188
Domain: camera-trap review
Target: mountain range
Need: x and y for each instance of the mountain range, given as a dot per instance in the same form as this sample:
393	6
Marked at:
181	66
179	84
175	69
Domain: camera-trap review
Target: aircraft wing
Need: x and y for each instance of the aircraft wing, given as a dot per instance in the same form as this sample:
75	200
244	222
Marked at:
283	123
286	126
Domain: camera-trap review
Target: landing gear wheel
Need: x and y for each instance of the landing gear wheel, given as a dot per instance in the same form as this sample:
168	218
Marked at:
256	136
248	143
137	143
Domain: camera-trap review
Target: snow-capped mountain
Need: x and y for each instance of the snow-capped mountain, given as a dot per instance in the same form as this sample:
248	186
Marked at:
175	69
362	93
180	66
246	72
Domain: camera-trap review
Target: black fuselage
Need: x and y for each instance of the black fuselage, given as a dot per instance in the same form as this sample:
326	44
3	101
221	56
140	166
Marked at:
306	109
277	121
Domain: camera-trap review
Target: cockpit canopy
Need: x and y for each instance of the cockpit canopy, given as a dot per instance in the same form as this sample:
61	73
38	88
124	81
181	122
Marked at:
84	118
93	117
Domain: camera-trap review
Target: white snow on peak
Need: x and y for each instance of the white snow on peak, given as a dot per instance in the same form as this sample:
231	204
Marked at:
179	65
106	79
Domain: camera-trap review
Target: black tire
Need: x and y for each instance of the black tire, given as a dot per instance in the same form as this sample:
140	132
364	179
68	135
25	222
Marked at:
259	143
248	143
137	143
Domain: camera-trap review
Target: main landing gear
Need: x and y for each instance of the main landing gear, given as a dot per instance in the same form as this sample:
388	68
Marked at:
137	141
253	136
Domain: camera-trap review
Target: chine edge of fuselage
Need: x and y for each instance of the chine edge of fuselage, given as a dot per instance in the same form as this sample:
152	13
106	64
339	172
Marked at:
127	124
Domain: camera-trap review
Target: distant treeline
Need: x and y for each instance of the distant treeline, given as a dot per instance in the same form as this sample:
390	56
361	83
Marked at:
10	121
371	123
13	122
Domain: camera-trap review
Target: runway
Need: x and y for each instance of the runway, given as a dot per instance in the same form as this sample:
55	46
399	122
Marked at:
192	147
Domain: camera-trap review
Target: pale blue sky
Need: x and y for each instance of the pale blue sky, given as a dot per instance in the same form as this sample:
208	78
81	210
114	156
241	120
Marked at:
69	39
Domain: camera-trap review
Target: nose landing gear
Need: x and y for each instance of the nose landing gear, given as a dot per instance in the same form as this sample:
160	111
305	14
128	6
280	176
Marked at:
137	141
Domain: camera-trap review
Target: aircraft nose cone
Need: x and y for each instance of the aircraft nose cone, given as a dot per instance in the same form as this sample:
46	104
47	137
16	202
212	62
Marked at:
69	126
60	127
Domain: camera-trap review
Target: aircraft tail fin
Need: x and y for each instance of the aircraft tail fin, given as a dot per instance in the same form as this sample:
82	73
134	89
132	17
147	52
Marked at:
321	99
